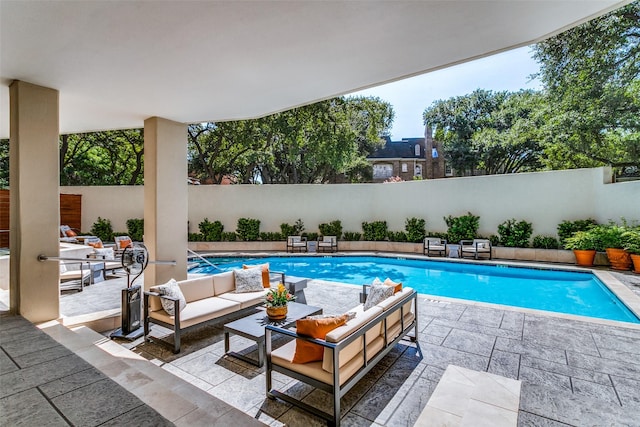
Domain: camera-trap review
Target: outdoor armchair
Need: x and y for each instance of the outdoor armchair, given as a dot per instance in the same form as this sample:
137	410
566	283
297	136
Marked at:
474	248
328	244
434	245
298	243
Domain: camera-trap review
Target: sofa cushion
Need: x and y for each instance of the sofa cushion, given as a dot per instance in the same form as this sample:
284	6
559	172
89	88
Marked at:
223	282
266	279
246	299
397	286
199	311
314	328
197	288
124	242
249	280
283	356
394	330
377	294
171	289
390	302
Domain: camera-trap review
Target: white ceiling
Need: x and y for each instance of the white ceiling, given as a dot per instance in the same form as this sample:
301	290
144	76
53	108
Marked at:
118	63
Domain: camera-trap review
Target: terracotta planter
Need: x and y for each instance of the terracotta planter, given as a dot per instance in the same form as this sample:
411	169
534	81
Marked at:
277	313
584	257
635	258
619	259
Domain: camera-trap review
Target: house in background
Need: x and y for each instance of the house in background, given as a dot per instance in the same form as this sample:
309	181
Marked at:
409	159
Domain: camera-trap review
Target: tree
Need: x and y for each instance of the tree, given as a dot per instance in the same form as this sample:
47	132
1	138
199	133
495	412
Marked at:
311	144
4	163
591	74
102	158
493	131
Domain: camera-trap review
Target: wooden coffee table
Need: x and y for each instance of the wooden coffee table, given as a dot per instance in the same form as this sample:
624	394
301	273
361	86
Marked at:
252	327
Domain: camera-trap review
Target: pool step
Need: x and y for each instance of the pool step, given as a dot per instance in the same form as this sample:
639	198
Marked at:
470	398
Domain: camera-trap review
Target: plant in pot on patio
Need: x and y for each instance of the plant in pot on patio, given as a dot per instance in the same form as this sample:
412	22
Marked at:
583	244
276	301
610	238
632	246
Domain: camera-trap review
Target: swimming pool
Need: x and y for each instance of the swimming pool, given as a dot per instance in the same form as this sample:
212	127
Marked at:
551	290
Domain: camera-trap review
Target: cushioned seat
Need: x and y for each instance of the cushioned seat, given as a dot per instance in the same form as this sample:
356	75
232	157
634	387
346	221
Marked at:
199	311
245	299
474	248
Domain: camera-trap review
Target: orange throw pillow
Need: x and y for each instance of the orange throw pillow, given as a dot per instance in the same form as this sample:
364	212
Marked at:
397	287
124	243
315	328
70	233
266	280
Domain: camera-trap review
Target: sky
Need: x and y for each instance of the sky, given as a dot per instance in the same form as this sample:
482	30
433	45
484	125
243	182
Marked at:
410	97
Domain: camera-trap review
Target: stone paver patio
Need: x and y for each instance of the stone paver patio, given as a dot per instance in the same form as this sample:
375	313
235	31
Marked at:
573	372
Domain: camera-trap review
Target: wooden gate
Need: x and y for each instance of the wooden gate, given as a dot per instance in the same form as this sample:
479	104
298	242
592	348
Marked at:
70	214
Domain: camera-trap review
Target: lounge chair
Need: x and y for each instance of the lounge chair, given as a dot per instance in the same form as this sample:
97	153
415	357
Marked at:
70	235
122	242
74	275
110	257
474	248
435	245
296	243
328	244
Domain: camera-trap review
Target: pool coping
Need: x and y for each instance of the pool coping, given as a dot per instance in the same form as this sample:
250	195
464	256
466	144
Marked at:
622	292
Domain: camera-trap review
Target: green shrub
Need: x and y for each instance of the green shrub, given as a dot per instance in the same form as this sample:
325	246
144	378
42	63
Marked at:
311	236
398	236
494	239
374	231
568	228
211	231
545	242
515	234
195	237
271	236
229	236
334	228
438	234
463	227
352	236
415	228
248	229
102	228
292	230
135	228
608	236
581	240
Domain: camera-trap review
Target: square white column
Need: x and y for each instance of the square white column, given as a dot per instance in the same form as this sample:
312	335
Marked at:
165	199
34	174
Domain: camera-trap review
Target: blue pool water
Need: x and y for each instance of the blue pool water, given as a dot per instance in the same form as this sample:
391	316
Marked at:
551	290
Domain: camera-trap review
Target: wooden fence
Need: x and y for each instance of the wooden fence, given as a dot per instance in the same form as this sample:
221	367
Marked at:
70	214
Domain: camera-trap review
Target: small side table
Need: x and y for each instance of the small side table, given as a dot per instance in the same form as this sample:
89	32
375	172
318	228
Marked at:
97	272
296	286
454	251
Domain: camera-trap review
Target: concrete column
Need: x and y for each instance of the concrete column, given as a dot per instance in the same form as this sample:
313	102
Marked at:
34	174
165	199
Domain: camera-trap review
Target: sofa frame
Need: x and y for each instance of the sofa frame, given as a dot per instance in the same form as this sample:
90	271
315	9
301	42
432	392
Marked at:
335	389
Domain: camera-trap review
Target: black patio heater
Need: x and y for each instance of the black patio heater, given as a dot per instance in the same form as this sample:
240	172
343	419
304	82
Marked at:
135	259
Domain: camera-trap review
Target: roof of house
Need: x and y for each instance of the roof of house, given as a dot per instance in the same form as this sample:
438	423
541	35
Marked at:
399	149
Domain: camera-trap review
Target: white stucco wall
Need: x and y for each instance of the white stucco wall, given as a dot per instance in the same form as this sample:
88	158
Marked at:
544	198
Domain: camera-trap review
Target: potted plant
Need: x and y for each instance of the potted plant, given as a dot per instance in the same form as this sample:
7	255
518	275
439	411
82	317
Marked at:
632	246
276	301
610	238
583	244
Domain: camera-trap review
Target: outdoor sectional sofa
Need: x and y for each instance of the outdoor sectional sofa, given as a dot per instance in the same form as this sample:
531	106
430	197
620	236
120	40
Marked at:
350	351
209	298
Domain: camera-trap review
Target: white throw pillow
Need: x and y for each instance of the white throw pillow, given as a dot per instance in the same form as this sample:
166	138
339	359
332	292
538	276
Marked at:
171	289
377	294
105	253
248	280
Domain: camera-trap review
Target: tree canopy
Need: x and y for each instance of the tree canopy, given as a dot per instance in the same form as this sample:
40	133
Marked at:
496	132
591	77
316	143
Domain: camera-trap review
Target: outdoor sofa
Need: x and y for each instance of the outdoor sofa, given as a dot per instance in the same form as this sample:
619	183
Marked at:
208	298
350	350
